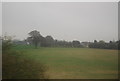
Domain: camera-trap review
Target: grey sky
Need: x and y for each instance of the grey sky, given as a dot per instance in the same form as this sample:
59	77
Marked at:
84	21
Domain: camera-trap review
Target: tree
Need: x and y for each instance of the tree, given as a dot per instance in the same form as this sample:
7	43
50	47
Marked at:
35	37
49	41
6	43
76	43
95	41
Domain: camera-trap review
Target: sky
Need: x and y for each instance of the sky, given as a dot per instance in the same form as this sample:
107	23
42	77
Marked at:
83	21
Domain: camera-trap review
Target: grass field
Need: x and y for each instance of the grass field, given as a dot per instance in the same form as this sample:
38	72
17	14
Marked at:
77	63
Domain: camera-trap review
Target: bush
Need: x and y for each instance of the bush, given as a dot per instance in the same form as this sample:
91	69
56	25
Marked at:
6	46
14	66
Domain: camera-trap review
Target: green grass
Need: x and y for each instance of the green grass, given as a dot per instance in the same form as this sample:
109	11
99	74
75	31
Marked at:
77	63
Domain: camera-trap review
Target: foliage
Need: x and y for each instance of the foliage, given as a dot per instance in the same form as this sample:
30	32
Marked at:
15	66
35	37
76	43
6	44
104	45
48	41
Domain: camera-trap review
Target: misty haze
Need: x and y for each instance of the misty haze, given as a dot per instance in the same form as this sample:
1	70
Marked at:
60	40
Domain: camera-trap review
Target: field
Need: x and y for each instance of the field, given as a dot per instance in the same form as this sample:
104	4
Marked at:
77	63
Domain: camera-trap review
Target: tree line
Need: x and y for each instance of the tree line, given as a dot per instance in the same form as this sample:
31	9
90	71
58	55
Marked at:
105	45
36	39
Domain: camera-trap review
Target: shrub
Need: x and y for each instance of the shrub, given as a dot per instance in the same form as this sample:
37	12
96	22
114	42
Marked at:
6	46
14	66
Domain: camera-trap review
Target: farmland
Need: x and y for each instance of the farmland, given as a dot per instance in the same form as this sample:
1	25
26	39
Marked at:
74	63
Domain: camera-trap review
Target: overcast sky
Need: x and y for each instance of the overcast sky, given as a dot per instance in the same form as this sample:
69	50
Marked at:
83	21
